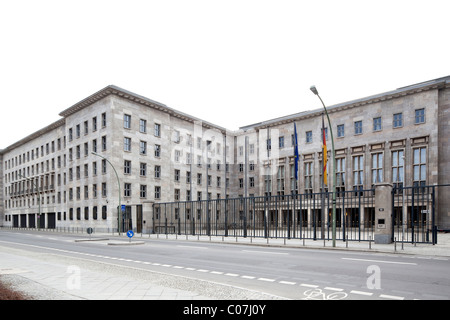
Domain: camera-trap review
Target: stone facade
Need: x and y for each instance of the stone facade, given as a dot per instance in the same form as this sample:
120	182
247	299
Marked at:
65	171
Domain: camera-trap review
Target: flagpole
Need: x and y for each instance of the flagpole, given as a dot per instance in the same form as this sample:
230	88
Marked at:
322	227
314	90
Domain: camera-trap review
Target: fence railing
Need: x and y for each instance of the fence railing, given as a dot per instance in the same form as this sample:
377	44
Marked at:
281	216
414	212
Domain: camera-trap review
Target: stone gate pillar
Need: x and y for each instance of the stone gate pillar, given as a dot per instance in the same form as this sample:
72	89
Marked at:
383	213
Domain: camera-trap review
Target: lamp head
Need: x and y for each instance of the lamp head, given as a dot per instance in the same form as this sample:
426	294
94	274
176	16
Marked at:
314	90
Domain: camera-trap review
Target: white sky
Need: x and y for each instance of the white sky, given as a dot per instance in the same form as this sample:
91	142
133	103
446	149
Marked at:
232	63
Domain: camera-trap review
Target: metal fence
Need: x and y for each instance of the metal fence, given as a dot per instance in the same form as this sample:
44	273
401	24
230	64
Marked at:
415	210
294	216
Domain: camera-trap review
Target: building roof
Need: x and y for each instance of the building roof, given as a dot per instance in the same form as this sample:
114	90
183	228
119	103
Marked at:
112	89
400	92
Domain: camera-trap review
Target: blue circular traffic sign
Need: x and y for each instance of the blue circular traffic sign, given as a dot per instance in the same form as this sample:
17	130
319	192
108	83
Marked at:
130	234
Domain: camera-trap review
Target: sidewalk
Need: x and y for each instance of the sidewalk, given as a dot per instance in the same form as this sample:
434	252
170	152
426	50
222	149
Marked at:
59	277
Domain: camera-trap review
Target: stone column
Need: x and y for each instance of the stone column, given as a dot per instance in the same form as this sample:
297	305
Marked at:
383	213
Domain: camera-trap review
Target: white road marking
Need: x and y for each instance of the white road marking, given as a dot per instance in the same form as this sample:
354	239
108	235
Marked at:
192	247
287	282
381	261
269	252
266	279
309	285
363	293
391	297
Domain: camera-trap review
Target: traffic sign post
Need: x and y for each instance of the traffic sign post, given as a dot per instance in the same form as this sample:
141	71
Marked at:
130	234
89	232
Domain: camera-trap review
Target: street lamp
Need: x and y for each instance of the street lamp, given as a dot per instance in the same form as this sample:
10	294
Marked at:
119	209
314	90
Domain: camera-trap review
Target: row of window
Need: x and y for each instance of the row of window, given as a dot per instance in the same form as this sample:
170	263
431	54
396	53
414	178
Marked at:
419	172
397	122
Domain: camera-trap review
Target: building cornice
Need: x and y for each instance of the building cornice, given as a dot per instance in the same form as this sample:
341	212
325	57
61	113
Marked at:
125	94
436	84
53	126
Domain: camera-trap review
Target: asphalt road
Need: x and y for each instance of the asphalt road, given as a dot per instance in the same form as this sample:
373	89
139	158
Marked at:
293	273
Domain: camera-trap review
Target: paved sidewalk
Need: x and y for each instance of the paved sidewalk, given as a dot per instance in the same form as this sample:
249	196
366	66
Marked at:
59	277
67	279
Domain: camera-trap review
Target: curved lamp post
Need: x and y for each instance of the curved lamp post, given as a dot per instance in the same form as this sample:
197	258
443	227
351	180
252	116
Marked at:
314	90
119	210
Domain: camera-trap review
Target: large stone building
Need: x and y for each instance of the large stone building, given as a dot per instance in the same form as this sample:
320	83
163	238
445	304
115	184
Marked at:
65	174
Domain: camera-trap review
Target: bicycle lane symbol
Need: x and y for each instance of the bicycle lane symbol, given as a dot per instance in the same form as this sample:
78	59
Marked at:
318	294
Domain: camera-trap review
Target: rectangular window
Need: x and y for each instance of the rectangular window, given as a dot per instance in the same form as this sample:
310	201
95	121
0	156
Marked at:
308	136
143	169
358	127
419	116
127	144
127	190
340	175
269	144
377	168
340	130
397	121
104	119
419	166
127	121
308	177
157	171
104	146
398	168
142	126
127	167
267	182
281	142
104	166
294	185
143	191
157	150
157	130
358	172
280	180
377	124
86	127
188	177
157	192
143	147
104	190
